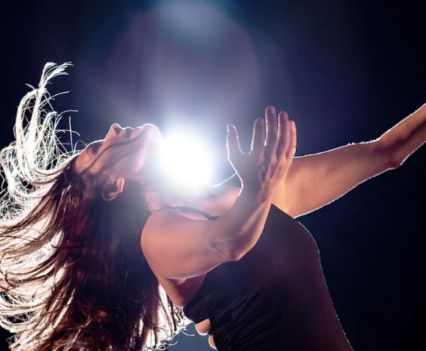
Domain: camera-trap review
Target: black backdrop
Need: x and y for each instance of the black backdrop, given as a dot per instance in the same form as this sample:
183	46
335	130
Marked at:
345	71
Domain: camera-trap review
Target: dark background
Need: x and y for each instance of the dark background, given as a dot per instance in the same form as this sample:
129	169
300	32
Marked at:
345	70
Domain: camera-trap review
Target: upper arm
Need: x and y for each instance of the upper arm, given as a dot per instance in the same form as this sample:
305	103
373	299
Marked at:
178	247
314	181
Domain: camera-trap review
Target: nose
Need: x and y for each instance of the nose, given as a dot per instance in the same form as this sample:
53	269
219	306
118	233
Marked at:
116	128
128	131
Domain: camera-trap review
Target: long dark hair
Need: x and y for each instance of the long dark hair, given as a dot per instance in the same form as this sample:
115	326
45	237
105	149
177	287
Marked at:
72	273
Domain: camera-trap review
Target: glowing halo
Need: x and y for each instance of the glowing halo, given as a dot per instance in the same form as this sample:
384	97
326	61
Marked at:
185	162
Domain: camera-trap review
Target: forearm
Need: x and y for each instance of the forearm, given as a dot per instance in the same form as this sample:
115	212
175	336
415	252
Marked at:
318	179
236	232
404	138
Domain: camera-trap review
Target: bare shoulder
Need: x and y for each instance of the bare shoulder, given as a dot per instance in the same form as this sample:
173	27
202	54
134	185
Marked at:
177	246
175	265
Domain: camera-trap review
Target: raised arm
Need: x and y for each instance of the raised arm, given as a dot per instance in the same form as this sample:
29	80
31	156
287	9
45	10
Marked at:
316	180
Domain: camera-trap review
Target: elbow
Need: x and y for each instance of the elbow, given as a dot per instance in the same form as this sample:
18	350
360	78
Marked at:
389	155
237	255
394	163
229	251
239	248
232	255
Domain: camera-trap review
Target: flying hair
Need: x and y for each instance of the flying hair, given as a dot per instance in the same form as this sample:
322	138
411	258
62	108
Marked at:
72	275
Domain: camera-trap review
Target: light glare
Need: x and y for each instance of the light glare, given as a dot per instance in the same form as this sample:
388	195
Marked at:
186	162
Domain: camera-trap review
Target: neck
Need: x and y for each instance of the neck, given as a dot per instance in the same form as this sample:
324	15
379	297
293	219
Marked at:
155	201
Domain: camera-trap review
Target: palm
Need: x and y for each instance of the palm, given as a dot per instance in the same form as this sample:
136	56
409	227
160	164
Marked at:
272	150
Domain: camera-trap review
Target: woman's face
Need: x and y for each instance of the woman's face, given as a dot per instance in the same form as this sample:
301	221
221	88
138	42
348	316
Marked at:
124	152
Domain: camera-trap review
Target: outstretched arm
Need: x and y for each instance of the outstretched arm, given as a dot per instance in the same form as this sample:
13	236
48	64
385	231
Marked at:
316	180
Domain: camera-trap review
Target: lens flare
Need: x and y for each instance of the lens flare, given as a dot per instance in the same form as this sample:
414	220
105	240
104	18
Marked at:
186	162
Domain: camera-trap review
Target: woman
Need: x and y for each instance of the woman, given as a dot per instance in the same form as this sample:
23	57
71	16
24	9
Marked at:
86	238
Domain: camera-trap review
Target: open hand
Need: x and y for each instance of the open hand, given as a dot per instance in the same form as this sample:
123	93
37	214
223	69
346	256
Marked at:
272	150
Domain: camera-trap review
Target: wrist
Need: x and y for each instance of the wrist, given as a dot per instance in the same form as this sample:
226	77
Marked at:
256	196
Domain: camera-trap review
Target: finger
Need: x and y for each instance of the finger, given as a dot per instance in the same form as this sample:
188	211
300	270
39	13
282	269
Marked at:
258	139
283	137
291	149
232	142
271	132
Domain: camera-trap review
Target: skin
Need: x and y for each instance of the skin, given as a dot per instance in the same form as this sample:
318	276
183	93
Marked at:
179	256
124	154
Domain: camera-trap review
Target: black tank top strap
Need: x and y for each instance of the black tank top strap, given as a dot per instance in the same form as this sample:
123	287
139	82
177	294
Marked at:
189	209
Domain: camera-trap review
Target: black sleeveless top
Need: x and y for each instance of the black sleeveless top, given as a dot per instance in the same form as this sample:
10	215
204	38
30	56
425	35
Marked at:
254	304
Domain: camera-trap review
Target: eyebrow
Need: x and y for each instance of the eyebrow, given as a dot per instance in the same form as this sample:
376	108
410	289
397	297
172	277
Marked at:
89	151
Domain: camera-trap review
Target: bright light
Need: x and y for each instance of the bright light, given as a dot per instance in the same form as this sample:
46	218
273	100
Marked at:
186	162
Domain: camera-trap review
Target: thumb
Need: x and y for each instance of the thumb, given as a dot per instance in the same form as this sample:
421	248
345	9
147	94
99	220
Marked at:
232	143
